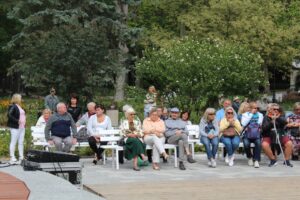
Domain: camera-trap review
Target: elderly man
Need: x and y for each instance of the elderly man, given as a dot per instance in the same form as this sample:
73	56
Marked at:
59	124
85	118
176	133
51	100
221	113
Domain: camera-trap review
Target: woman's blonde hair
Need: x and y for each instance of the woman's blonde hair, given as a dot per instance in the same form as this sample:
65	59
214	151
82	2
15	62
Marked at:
16	98
296	105
207	112
228	108
243	107
47	110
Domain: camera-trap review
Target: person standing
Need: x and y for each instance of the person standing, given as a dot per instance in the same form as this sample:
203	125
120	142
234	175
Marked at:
51	100
150	100
73	108
16	122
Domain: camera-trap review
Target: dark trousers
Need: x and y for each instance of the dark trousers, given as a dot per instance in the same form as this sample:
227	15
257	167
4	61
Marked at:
256	151
93	145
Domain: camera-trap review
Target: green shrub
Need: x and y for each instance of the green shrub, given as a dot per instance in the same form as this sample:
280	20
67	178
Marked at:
192	74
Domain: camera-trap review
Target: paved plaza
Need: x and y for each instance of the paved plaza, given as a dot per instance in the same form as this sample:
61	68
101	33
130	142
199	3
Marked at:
197	182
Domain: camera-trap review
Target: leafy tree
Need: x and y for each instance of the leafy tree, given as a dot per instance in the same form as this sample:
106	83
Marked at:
72	45
7	29
255	23
193	73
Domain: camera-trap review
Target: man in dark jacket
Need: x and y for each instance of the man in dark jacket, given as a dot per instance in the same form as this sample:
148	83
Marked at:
270	133
60	125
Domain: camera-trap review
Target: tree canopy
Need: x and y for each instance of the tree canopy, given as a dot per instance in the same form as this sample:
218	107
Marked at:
195	73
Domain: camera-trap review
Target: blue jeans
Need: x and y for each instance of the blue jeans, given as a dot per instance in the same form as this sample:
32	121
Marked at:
231	143
257	149
211	146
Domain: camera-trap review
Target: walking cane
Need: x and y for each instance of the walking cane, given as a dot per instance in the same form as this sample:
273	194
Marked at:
278	140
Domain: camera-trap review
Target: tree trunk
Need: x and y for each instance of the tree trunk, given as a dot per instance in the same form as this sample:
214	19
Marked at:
267	86
120	84
121	76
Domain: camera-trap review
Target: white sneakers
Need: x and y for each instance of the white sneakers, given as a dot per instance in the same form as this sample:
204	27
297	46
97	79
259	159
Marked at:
250	162
231	160
226	159
14	161
209	163
256	164
213	163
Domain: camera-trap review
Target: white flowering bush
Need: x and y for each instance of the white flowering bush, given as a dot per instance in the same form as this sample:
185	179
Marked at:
193	73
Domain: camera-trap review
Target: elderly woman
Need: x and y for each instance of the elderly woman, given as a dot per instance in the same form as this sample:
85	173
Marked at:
42	121
230	129
16	122
273	129
154	128
96	123
209	131
150	100
132	133
294	130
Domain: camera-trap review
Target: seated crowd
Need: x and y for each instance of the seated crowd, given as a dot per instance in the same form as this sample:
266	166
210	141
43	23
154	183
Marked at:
274	133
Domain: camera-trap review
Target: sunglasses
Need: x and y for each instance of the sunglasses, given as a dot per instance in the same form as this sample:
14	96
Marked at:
211	113
276	109
255	108
132	114
229	113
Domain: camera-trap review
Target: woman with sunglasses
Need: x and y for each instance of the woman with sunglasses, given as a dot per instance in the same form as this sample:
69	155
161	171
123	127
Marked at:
209	131
293	128
230	129
270	133
132	133
252	121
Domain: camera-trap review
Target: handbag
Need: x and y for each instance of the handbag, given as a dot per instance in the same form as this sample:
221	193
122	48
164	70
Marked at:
121	142
229	132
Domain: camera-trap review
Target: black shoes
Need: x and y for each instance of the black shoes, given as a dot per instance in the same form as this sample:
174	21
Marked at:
273	163
288	163
181	166
190	159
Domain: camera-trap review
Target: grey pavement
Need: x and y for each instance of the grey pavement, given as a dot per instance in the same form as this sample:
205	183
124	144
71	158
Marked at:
45	186
172	183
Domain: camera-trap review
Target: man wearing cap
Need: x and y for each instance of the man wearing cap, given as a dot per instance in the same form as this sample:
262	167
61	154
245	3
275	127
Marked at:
51	100
236	103
176	133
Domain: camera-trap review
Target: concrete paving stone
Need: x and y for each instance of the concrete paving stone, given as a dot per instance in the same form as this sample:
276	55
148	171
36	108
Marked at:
197	182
